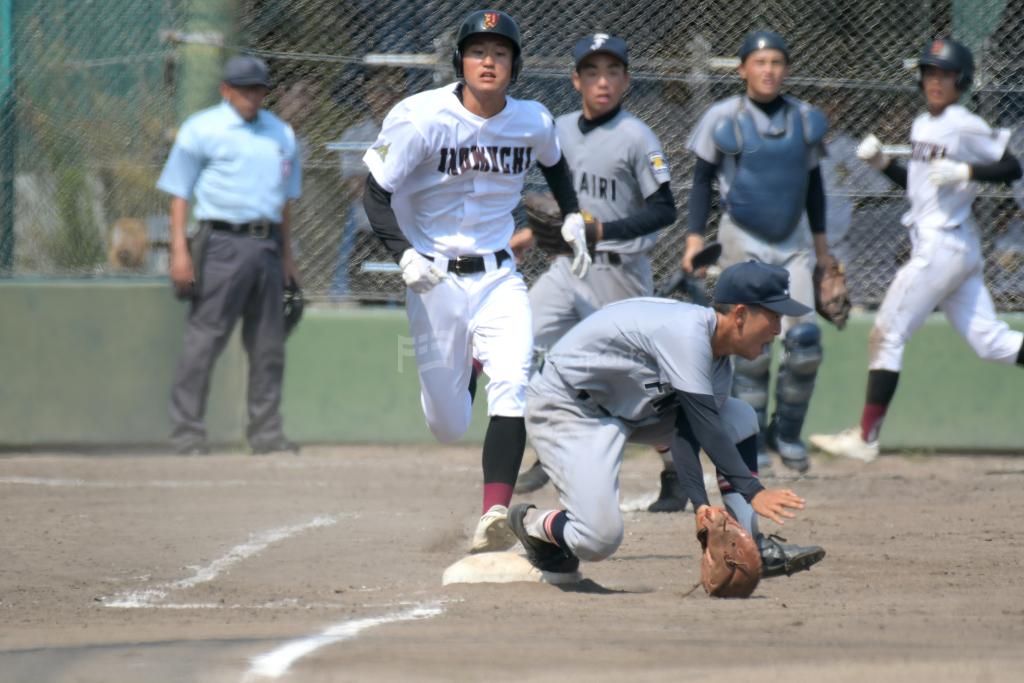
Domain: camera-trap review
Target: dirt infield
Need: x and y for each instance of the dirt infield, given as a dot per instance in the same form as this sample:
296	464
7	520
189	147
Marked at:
224	568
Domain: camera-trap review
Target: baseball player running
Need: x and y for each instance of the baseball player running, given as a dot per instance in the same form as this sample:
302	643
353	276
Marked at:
951	149
622	179
655	371
763	148
446	172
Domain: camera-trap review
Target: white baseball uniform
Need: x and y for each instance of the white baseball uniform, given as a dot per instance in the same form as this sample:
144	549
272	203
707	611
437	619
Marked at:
455	178
946	266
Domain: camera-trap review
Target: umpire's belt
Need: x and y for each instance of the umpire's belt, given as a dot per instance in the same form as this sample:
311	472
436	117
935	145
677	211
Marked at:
467	265
254	228
609	257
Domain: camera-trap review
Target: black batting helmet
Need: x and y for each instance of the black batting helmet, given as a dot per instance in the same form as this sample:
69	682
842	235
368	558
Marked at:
763	40
495	23
949	55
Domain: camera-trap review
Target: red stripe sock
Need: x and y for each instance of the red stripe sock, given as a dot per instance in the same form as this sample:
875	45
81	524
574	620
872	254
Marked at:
496	493
871	421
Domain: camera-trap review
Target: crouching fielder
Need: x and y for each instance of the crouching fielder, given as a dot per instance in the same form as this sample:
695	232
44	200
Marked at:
654	371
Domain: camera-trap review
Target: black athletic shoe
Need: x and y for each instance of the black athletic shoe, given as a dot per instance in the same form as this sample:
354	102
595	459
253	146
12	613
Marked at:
532	479
786	559
282	445
543	555
197	448
671	498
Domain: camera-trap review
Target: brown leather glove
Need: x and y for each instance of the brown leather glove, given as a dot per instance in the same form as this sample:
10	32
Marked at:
545	218
831	298
731	566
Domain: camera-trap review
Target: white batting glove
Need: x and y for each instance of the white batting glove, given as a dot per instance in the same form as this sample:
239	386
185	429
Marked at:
574	232
942	172
870	150
420	274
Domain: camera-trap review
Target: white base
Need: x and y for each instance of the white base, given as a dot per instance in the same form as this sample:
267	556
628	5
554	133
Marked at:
502	568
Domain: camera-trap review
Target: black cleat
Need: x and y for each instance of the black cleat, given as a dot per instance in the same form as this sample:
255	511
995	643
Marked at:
281	445
780	559
197	448
544	555
532	479
671	498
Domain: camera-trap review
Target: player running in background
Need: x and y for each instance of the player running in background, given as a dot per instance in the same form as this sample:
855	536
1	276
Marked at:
951	148
763	148
445	174
621	178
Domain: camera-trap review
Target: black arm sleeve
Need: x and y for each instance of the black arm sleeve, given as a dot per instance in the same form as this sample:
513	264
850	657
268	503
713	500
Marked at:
659	210
897	173
686	457
700	414
700	197
559	179
1006	170
816	201
377	202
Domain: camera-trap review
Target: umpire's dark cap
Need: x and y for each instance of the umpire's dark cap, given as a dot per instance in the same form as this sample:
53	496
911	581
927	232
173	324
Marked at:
763	40
600	42
245	70
758	284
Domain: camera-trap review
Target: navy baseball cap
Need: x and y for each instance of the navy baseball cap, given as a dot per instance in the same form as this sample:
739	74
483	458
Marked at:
245	70
758	284
600	42
763	40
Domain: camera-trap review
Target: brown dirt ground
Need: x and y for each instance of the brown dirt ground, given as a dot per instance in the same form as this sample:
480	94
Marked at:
921	581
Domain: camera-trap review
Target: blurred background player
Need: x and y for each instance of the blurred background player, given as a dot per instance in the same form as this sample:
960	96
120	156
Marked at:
622	178
763	149
241	165
446	172
951	148
666	380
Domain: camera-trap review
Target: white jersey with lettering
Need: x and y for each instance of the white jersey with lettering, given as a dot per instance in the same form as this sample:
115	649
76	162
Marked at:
958	135
455	177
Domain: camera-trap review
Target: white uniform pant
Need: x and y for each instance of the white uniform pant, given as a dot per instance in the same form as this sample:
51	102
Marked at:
945	271
581	449
483	315
794	254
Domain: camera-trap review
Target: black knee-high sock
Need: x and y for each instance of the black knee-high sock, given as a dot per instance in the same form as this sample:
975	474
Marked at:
503	454
881	389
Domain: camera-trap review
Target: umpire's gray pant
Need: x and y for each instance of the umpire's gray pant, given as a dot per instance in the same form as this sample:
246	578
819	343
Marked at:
581	448
242	277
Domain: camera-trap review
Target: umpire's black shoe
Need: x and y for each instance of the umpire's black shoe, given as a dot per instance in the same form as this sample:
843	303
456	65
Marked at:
545	556
281	445
786	559
671	497
532	479
197	448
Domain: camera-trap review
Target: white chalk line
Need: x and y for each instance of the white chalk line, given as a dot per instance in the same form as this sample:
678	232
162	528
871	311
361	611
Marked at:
256	544
276	663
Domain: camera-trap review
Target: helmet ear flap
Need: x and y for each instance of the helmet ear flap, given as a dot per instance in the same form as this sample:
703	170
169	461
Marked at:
457	61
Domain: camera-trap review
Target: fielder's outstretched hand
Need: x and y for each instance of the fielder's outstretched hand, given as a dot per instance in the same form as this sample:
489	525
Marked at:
420	273
776	504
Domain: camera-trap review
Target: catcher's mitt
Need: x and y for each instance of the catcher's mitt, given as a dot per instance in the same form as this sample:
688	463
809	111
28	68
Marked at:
545	219
831	299
731	566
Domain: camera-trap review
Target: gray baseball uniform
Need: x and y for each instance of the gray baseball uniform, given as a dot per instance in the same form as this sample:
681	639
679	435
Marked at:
615	166
640	370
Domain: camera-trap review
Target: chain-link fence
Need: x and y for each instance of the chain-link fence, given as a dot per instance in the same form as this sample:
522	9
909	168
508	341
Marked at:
91	92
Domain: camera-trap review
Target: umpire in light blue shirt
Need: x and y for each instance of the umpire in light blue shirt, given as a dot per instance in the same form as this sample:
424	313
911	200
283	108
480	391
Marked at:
237	165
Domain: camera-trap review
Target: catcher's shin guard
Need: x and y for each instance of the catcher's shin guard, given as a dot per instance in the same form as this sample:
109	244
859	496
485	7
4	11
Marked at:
750	384
797	372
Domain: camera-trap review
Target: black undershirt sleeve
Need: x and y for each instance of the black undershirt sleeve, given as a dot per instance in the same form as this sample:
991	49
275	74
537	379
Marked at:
377	202
559	179
700	197
816	201
658	211
1006	170
897	173
698	413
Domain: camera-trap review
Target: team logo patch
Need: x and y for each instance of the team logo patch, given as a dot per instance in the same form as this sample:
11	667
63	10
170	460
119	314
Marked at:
382	151
599	40
659	166
490	19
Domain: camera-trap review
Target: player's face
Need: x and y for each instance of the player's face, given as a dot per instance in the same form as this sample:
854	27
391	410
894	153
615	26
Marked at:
487	64
602	80
757	327
246	99
764	71
939	87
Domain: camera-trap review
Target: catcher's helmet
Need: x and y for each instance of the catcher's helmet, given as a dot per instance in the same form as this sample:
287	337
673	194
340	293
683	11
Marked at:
763	40
293	305
950	55
493	22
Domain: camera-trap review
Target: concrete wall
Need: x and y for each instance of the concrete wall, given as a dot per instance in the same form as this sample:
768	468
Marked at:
90	363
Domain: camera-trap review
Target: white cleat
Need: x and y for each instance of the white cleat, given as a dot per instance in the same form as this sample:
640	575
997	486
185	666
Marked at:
847	443
493	532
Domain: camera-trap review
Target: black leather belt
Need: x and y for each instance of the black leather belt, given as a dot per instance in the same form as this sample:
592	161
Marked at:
254	228
609	257
467	265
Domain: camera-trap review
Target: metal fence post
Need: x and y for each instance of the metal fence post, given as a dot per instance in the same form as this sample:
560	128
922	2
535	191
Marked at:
7	136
